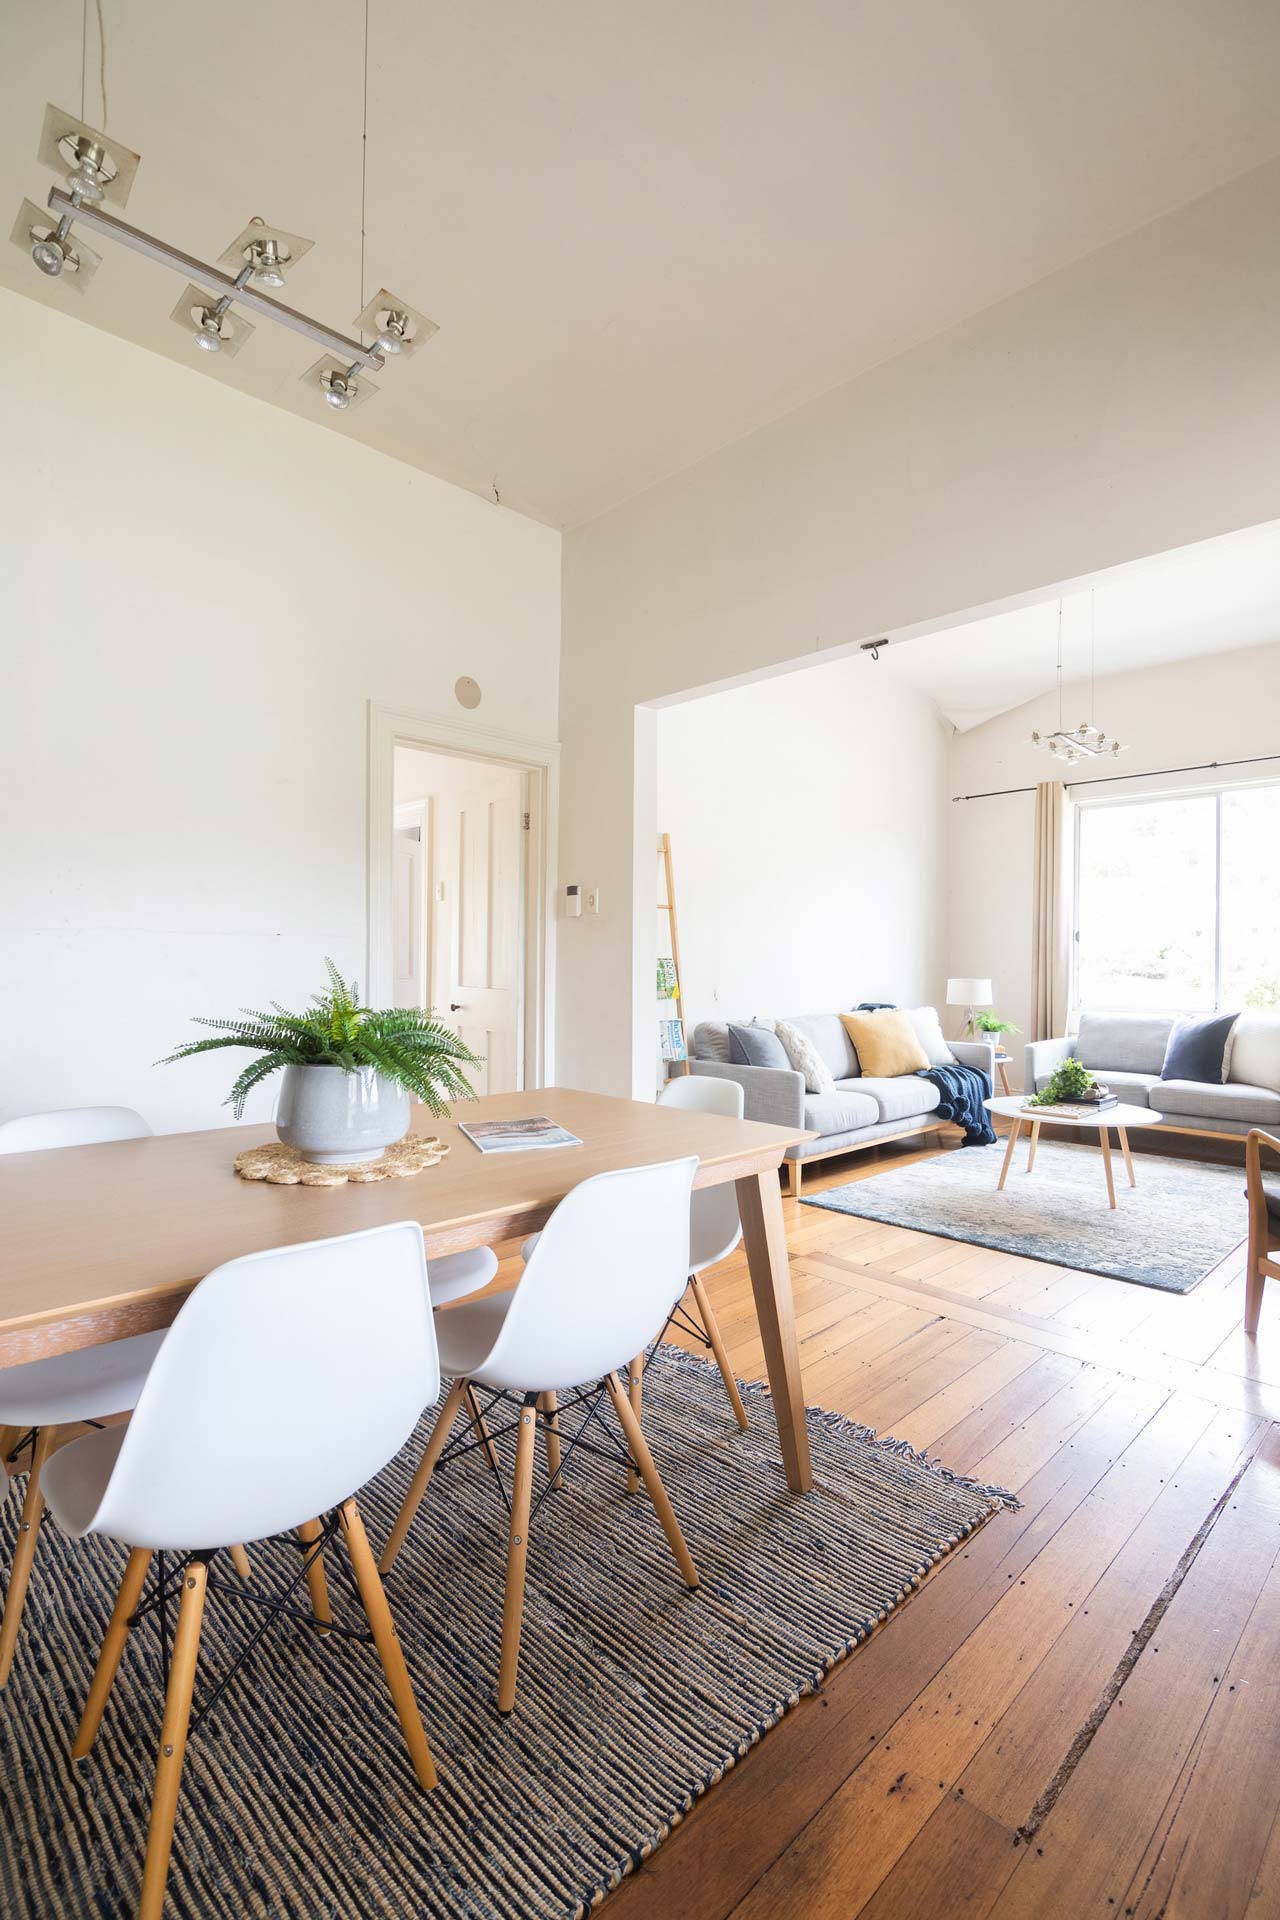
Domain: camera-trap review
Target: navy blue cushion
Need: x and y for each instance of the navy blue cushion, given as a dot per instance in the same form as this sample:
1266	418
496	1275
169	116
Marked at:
1196	1047
756	1047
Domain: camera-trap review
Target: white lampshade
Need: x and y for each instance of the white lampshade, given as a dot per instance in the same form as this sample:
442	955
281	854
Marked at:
969	993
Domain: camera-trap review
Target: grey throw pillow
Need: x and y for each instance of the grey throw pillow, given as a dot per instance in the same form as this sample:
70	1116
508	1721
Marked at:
1197	1046
754	1046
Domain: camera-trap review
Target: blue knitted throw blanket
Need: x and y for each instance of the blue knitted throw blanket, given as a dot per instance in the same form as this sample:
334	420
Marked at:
963	1090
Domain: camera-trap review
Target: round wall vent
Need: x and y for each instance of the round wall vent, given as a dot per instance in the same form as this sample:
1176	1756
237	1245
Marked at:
467	691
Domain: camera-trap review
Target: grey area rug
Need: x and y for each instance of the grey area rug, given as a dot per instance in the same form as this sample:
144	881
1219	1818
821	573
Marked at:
635	1695
1178	1222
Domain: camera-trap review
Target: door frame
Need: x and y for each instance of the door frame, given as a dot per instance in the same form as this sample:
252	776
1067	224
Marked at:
390	727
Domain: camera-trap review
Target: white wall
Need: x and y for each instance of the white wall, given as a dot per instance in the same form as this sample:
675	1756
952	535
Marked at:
1126	406
1223	707
839	896
200	596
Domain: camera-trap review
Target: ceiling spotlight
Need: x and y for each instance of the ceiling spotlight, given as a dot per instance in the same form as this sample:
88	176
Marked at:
213	325
337	383
50	255
208	332
95	168
52	248
268	265
269	252
395	332
88	177
396	326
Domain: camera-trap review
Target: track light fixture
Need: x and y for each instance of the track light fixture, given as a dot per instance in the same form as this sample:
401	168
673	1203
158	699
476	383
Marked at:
99	172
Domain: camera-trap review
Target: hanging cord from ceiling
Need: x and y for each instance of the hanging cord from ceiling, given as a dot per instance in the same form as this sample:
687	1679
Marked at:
102	57
364	161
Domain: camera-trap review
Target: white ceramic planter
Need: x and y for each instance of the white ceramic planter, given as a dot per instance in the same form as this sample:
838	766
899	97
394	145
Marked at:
335	1118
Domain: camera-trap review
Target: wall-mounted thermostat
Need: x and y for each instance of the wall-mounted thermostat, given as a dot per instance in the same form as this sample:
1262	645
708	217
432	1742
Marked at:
573	902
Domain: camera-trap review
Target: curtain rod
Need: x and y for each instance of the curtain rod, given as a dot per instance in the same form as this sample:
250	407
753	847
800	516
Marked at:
1106	779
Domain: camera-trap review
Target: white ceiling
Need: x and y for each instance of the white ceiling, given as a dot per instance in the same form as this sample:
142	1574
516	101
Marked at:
1210	598
644	231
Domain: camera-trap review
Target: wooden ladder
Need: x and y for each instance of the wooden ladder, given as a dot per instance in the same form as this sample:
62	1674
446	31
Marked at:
668	906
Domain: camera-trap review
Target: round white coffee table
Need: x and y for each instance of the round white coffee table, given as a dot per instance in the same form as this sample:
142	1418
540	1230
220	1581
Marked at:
1120	1117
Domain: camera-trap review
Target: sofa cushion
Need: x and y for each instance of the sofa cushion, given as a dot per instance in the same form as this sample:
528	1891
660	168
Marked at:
711	1041
1197	1046
1132	1088
885	1043
928	1030
1253	1051
829	1041
753	1046
1125	1042
839	1112
805	1058
901	1098
1200	1100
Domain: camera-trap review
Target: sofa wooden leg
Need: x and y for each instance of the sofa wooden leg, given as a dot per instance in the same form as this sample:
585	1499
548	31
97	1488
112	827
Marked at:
795	1179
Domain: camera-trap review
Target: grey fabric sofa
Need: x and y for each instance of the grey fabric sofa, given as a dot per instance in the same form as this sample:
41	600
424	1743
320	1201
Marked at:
1126	1051
862	1109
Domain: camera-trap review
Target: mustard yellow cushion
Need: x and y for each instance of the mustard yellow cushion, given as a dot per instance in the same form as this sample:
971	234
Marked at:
886	1043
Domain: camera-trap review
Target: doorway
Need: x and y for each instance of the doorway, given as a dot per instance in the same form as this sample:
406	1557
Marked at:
459	886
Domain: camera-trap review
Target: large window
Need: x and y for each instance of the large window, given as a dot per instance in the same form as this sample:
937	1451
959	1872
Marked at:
1178	901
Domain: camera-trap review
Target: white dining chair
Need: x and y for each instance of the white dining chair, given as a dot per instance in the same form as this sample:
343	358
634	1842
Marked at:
236	1436
594	1291
42	1395
715	1229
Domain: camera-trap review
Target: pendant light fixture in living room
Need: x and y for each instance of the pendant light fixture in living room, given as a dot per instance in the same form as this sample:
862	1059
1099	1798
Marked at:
1087	741
98	170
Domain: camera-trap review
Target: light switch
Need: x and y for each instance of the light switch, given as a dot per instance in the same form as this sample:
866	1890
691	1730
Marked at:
593	899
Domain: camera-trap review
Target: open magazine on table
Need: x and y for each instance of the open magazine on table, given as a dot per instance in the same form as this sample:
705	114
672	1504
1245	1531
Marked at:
517	1136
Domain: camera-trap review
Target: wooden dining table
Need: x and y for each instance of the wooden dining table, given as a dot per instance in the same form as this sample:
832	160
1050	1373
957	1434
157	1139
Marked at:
100	1242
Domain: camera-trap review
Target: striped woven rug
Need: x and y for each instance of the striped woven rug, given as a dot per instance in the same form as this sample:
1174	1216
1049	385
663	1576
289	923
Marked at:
635	1695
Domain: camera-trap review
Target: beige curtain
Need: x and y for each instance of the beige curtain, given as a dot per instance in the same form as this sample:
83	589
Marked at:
1050	915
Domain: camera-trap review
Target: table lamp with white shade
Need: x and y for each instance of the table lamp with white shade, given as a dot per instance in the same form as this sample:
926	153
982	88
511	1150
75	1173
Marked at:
969	994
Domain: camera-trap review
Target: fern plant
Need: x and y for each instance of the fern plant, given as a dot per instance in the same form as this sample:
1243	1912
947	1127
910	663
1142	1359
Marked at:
405	1044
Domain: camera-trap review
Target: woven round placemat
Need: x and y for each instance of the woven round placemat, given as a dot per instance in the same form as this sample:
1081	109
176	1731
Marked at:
284	1166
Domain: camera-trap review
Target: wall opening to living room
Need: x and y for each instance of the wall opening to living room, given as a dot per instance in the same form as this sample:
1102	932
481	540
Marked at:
825	851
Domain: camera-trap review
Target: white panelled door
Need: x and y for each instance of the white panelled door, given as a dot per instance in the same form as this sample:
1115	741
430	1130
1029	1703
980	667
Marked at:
409	918
479	848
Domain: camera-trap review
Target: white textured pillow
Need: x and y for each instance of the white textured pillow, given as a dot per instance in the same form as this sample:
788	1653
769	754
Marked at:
928	1030
1253	1051
805	1058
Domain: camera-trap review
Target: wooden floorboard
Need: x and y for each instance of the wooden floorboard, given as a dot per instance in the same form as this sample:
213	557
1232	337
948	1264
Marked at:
1079	1713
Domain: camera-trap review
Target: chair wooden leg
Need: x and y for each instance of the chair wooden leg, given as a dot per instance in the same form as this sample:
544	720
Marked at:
317	1585
24	1552
117	1633
636	1371
712	1327
240	1561
796	1177
1105	1139
173	1741
550	1403
426	1466
479	1428
1255	1284
653	1484
378	1614
517	1555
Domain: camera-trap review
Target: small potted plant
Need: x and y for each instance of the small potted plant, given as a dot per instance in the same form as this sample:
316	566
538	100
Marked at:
994	1028
348	1071
1071	1083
